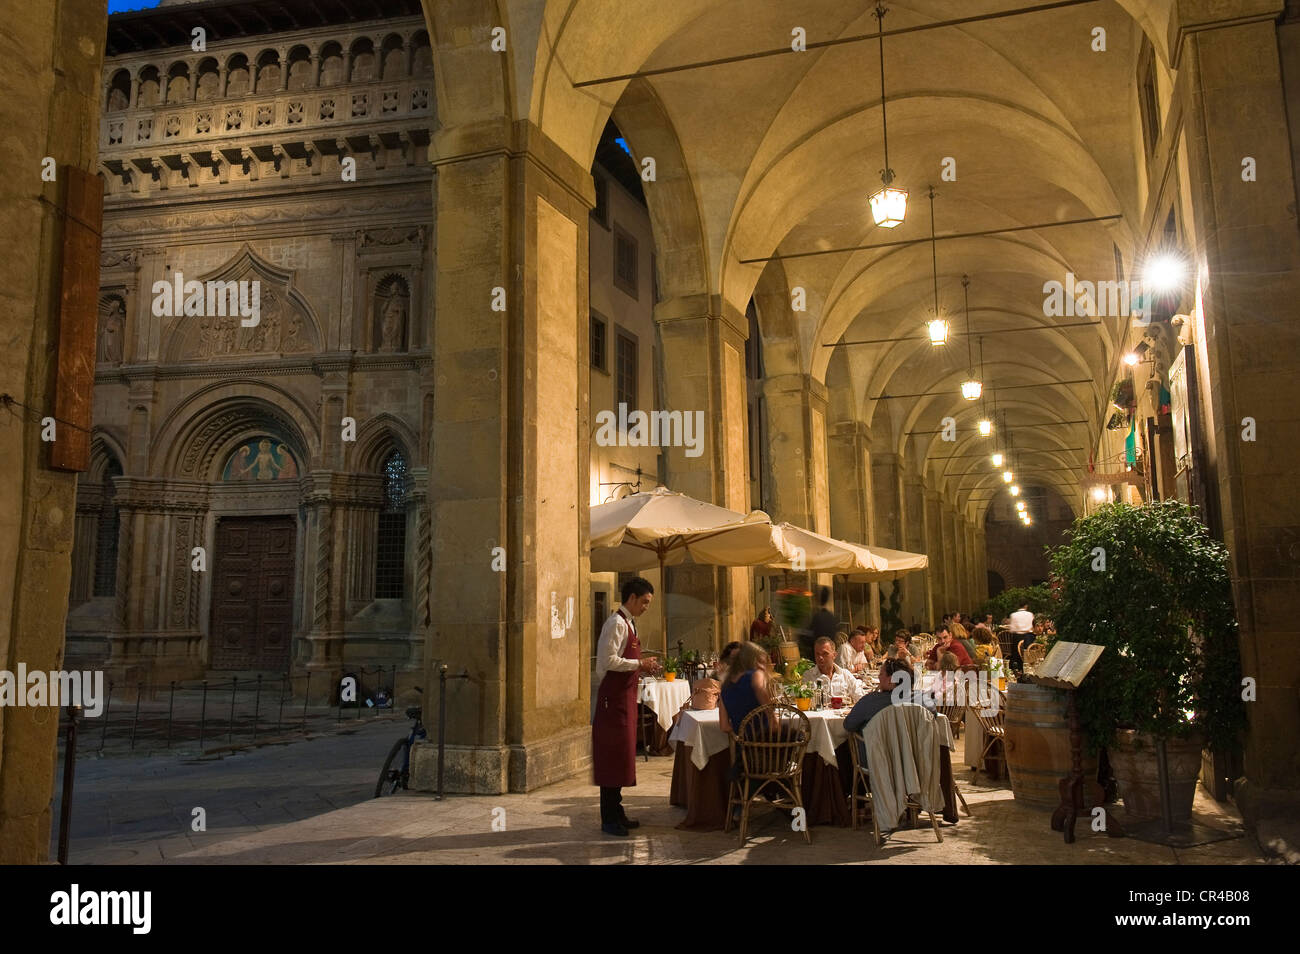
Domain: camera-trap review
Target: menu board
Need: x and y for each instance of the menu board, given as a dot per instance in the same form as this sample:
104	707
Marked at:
1067	664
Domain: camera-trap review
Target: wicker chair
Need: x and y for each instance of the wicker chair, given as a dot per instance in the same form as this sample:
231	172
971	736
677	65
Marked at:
860	797
994	732
860	802
921	644
768	757
1032	656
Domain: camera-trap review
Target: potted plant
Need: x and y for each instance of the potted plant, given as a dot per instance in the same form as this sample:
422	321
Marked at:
801	693
671	665
1150	585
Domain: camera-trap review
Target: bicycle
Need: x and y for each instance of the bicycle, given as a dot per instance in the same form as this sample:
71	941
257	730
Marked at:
390	778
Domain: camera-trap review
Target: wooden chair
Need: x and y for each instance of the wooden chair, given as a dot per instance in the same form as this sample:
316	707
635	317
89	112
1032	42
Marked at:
994	728
860	794
862	775
1032	656
647	723
768	757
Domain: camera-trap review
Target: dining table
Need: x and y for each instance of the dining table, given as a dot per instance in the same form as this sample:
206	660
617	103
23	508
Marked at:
664	698
702	760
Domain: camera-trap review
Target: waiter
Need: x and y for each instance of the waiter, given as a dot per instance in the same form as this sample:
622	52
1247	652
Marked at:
613	726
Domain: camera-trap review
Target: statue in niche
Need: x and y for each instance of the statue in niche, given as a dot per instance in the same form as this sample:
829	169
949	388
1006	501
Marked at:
293	340
392	327
110	340
209	337
117	100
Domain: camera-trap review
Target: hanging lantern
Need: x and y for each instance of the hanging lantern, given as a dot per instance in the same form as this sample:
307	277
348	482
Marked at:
1015	490
938	330
986	428
889	207
971	389
997	460
1020	505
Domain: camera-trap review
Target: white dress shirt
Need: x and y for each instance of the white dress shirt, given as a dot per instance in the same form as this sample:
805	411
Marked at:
843	683
611	646
850	657
1022	621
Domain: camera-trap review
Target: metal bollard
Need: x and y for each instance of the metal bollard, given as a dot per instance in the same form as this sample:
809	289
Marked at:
107	704
305	696
69	770
203	716
257	699
171	709
230	729
279	719
135	720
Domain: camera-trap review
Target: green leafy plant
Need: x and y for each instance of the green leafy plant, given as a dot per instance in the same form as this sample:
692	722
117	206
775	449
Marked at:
794	606
1152	586
799	690
672	664
1039	598
795	670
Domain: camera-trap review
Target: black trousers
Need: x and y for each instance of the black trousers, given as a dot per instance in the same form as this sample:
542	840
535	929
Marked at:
611	805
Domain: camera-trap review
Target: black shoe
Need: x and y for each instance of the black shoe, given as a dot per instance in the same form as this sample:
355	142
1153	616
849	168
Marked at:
630	822
614	828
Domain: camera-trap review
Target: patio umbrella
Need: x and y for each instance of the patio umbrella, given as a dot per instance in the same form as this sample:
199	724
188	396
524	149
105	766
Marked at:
897	563
662	528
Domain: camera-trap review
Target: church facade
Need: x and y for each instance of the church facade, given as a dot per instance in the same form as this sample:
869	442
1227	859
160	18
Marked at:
256	498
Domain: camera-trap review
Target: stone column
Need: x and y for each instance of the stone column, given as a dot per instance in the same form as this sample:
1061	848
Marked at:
509	471
916	589
1247	261
703	355
937	571
848	458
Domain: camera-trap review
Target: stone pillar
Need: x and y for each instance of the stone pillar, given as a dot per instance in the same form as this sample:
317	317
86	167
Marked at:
704	360
886	476
936	572
981	568
1247	266
509	469
916	589
848	459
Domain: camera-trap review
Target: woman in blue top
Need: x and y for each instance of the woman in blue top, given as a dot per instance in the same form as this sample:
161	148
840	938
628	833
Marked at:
746	687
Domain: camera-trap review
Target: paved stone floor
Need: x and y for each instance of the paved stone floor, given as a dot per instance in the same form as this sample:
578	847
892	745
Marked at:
309	802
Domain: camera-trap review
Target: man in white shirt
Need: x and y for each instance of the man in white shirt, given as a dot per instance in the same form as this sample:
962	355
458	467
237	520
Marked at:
843	683
619	665
1021	628
852	655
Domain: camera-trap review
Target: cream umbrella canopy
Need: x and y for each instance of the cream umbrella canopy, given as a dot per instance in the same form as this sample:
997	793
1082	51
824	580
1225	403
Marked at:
896	563
663	528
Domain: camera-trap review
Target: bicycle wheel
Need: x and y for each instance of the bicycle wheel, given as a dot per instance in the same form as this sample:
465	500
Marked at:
390	778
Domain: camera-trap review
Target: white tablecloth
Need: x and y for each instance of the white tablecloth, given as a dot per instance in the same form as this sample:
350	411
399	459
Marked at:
664	698
702	732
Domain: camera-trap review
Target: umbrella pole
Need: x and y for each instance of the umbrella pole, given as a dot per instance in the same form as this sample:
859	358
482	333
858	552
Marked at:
663	584
848	598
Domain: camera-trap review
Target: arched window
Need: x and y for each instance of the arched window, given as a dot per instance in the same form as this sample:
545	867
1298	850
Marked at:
390	553
106	537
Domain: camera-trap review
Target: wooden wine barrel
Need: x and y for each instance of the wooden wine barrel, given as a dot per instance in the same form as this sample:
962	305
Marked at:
1038	744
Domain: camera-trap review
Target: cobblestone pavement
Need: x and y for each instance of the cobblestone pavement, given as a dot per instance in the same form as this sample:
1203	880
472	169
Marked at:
310	802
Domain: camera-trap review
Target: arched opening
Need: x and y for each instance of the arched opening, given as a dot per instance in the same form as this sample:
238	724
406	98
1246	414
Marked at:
390	543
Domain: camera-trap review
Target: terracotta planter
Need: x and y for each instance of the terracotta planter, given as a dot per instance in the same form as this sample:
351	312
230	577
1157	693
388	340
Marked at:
1133	762
670	676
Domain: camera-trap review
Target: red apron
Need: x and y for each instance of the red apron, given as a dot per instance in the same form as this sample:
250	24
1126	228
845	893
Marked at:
613	728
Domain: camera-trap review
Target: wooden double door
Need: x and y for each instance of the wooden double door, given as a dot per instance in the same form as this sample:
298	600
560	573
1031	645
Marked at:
252	593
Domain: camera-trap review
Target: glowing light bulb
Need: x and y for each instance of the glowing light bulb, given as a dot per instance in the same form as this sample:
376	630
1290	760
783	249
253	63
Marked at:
986	428
971	390
938	331
1015	490
1006	477
1098	494
997	460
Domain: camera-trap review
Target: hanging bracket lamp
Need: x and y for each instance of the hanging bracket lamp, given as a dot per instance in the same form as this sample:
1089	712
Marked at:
971	388
889	205
937	327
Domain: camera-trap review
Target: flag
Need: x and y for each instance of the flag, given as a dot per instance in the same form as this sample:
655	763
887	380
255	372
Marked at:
1130	443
